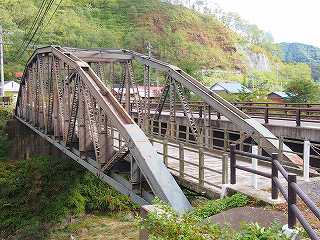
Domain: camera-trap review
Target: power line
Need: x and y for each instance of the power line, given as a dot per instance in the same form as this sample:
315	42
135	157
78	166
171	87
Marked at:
25	37
36	29
47	24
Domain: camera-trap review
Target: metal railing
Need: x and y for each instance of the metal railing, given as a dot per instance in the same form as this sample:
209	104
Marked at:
293	190
293	112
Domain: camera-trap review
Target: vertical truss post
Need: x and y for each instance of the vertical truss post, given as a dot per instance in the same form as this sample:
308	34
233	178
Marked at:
170	129
50	96
146	84
127	87
104	138
82	125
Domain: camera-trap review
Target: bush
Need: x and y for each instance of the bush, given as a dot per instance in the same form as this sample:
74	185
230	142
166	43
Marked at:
166	224
40	192
216	206
253	231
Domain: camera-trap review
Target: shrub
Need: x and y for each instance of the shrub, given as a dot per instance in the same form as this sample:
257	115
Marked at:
216	206
166	224
39	192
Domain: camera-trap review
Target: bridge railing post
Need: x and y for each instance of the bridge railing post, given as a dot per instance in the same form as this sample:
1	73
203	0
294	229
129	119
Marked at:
281	142
306	160
254	180
274	175
225	169
159	128
218	115
225	140
298	117
200	111
233	177
292	200
181	160
177	131
165	151
201	167
266	115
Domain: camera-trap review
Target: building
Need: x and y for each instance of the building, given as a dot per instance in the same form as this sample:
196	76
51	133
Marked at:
11	89
154	91
278	97
229	87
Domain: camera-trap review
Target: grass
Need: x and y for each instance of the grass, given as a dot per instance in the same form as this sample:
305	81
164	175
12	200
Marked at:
98	226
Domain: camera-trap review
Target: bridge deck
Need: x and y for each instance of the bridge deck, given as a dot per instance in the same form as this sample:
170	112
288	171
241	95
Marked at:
213	180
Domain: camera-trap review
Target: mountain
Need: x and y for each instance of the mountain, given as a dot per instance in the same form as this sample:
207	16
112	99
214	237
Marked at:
177	34
185	37
303	53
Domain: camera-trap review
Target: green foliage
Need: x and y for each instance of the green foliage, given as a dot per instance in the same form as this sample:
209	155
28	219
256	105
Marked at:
216	206
302	53
5	115
253	232
303	91
39	192
165	224
179	35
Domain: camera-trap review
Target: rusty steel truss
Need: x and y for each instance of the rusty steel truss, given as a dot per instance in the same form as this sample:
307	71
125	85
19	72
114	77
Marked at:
86	101
177	85
63	100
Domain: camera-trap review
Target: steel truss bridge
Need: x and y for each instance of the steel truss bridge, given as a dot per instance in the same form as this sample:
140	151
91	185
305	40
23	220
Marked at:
67	97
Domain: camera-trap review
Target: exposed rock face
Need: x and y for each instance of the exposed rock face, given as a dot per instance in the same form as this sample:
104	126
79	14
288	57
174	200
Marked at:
257	61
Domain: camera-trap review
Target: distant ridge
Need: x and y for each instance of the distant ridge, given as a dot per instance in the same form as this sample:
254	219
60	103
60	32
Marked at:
302	53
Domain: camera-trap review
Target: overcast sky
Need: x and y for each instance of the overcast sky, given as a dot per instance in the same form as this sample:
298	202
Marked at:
287	20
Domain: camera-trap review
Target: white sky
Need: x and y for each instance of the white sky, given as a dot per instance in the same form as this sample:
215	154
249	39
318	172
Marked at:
287	20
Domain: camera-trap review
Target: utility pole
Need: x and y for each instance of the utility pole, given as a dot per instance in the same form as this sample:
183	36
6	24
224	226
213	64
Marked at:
1	64
149	47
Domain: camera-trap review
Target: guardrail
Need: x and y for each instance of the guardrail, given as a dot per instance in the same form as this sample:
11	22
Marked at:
288	111
290	195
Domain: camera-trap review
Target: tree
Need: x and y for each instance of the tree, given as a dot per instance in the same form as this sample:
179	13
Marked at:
303	91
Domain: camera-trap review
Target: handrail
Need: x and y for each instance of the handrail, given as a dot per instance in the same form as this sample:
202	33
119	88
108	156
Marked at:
277	112
290	195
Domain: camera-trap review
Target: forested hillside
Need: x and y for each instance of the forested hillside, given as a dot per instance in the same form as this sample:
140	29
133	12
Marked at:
302	53
177	34
193	38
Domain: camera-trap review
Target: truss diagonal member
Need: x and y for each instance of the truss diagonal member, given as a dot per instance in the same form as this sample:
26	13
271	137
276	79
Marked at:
270	142
122	86
119	155
50	97
187	110
59	87
136	94
162	100
74	112
93	124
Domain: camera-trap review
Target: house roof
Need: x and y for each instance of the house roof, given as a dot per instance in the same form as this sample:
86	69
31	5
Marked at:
280	94
230	87
11	86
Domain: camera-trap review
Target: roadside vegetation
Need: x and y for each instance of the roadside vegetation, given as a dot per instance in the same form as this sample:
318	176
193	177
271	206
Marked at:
165	224
194	39
40	194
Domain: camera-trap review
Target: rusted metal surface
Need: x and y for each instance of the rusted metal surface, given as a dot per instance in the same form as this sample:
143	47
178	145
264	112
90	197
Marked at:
63	98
